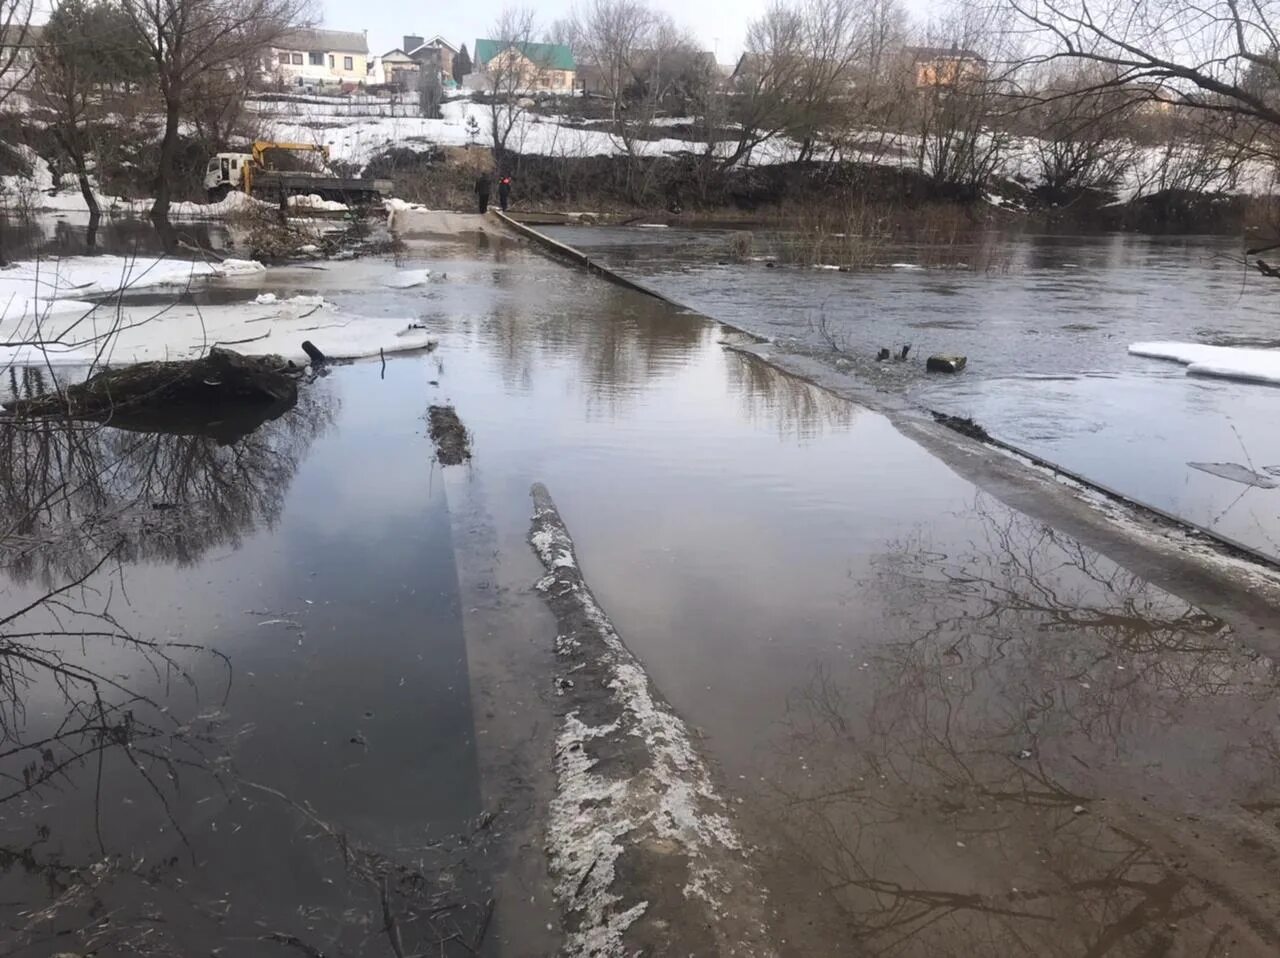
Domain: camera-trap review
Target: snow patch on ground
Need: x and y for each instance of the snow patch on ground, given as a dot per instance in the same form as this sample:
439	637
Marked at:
39	193
317	204
1219	362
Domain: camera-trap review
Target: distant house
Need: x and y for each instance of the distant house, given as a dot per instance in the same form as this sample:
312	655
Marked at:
399	69
321	57
19	45
541	67
444	49
946	67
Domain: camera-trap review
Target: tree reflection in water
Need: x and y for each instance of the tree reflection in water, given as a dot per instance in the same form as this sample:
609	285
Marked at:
165	490
83	700
1005	775
797	408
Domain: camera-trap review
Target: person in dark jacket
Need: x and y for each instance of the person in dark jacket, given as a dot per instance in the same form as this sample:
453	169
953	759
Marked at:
483	184
504	193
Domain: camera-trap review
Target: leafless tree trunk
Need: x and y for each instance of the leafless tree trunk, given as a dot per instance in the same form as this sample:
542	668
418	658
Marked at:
190	39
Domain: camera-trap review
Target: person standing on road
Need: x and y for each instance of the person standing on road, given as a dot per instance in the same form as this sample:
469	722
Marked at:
483	184
504	193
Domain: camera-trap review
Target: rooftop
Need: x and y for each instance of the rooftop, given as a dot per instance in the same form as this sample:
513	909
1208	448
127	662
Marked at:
552	56
339	41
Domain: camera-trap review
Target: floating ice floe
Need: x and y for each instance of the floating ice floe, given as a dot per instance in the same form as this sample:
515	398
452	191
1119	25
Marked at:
408	278
75	333
1221	362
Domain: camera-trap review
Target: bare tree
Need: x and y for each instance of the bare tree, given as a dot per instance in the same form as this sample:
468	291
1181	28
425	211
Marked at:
764	84
510	73
16	61
1079	133
189	40
1221	56
958	89
642	59
65	82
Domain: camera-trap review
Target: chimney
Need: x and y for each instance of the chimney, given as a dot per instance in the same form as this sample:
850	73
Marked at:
412	43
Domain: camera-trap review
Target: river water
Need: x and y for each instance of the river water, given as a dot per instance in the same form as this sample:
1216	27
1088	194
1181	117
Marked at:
1045	322
949	728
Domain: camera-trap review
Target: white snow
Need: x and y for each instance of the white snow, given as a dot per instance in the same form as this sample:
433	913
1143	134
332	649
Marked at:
595	814
1220	362
408	278
316	203
39	193
76	333
80	276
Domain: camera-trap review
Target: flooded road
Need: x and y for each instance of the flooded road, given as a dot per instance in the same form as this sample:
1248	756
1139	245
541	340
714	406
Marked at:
947	727
1046	322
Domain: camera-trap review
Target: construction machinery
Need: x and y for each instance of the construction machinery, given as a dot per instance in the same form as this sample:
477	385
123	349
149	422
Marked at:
253	174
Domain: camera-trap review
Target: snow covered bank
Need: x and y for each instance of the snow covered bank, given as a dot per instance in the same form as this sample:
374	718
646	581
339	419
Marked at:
74	333
1220	362
39	193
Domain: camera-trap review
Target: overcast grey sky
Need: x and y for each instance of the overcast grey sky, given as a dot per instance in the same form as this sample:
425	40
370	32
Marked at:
719	24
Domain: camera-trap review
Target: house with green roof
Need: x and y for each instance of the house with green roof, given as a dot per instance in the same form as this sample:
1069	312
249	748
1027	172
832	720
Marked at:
541	67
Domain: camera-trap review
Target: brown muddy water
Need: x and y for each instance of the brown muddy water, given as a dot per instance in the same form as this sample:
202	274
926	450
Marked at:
948	728
1046	322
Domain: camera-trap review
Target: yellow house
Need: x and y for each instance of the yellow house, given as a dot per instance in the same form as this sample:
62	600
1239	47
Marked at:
321	58
946	66
540	67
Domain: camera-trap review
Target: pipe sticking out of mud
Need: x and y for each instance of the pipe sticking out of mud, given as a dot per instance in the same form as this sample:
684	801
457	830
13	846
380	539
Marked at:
645	857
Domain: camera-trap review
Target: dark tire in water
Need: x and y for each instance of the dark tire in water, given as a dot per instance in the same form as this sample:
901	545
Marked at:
218	193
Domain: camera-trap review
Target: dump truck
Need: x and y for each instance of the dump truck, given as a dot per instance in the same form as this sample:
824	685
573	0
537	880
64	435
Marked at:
252	174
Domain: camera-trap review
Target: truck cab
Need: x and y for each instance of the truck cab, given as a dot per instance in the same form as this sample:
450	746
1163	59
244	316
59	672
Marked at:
225	173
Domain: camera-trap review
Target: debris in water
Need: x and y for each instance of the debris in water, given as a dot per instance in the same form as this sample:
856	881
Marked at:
946	364
220	379
453	446
962	425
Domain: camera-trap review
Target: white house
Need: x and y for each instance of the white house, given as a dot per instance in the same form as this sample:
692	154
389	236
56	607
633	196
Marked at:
321	58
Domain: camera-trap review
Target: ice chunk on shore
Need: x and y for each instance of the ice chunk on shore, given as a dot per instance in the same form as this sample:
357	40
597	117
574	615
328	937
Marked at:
1220	362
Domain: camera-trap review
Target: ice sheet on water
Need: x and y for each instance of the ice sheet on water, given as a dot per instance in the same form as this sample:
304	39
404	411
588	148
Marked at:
79	334
1235	473
1221	362
408	278
79	276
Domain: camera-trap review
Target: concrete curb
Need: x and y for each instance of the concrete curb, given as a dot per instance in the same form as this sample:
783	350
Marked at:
644	853
582	259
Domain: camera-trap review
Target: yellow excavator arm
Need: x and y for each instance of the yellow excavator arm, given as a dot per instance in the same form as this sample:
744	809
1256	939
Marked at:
262	147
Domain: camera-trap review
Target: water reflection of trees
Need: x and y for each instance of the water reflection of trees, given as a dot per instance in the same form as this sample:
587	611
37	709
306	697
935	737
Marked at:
71	491
95	718
619	340
797	408
948	793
